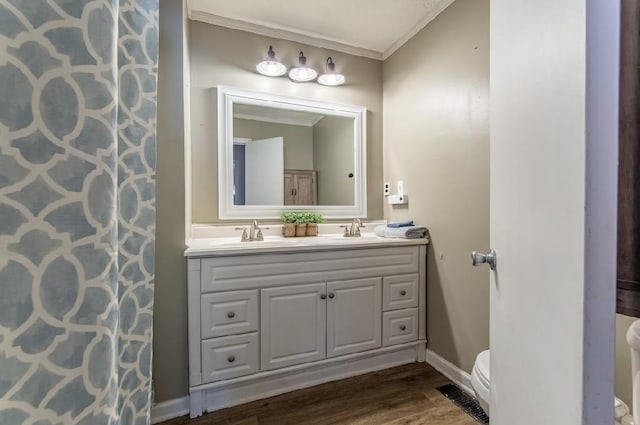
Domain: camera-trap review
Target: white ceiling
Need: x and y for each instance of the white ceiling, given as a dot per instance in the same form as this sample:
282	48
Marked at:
370	28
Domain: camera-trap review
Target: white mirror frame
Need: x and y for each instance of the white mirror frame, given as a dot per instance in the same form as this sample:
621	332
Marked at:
227	96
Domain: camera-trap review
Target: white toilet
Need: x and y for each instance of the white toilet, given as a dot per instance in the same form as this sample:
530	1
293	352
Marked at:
481	373
480	380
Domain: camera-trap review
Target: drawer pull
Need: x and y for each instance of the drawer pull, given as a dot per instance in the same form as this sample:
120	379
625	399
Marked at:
323	296
403	327
331	295
231	315
403	292
231	359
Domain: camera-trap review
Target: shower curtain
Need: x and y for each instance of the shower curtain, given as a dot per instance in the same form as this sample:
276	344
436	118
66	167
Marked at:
77	210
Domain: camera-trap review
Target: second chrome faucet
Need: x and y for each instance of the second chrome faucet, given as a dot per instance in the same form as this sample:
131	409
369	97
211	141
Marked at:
354	229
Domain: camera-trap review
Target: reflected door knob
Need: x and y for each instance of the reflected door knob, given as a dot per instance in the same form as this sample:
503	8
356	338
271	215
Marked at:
490	259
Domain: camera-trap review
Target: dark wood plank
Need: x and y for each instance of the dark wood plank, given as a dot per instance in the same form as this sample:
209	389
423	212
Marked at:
404	395
628	297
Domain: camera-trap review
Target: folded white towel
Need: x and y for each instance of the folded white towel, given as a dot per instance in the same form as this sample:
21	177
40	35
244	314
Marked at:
409	232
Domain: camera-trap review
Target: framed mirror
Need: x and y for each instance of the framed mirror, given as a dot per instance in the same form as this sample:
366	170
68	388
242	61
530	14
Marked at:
278	153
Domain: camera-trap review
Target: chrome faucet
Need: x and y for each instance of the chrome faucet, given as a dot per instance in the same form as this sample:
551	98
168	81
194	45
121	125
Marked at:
354	229
254	233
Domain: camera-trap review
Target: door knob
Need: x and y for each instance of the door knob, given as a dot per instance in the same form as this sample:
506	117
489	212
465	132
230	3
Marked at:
490	258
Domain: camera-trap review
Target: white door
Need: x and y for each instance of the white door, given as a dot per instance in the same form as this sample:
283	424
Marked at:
264	171
354	316
553	202
292	325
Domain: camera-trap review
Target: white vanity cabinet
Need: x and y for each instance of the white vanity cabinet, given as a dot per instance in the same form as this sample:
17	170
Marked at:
266	323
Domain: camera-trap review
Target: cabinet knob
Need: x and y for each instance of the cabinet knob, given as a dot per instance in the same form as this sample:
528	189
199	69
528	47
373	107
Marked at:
231	359
332	295
323	296
231	315
403	327
403	292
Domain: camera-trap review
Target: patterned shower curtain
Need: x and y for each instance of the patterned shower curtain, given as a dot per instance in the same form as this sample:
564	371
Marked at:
77	210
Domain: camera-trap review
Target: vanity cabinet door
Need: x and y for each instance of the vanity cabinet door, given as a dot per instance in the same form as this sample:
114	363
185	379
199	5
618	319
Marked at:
292	325
354	316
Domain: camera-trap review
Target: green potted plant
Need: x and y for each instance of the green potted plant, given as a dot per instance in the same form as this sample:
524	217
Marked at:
289	220
313	219
301	224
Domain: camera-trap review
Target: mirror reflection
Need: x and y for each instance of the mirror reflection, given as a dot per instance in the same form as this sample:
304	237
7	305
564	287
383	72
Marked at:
289	157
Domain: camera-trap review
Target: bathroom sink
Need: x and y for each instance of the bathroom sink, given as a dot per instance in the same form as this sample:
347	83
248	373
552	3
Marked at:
362	237
268	242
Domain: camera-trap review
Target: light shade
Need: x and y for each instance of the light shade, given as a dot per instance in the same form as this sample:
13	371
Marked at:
331	77
270	66
302	73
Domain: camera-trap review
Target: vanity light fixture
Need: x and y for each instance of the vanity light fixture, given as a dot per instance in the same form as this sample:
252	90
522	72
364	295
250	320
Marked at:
302	73
331	77
270	66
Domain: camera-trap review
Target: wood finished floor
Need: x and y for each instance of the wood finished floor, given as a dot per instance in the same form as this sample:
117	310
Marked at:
404	395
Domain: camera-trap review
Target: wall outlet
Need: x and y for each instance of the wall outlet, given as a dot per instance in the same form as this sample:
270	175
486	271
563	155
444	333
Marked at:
387	188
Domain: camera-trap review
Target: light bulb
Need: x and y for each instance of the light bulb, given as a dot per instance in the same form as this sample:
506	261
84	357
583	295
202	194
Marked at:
331	77
302	73
270	66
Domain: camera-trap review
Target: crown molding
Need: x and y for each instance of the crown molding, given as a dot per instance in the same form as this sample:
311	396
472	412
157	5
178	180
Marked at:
438	9
283	33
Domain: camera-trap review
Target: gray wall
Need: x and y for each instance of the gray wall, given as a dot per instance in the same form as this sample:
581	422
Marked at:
333	160
229	57
170	360
298	140
436	139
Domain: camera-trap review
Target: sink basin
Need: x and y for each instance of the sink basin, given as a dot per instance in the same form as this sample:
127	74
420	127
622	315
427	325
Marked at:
362	237
268	242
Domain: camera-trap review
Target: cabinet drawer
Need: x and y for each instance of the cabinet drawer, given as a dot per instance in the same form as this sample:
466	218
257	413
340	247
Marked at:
229	357
400	292
399	326
229	313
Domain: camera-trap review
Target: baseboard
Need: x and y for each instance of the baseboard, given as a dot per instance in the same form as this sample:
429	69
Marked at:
170	409
458	376
224	395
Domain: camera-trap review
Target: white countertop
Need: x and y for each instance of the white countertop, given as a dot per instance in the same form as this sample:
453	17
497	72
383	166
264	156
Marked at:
211	247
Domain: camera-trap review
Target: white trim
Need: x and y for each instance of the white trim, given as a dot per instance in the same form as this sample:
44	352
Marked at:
186	103
170	409
438	9
227	96
458	376
283	33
